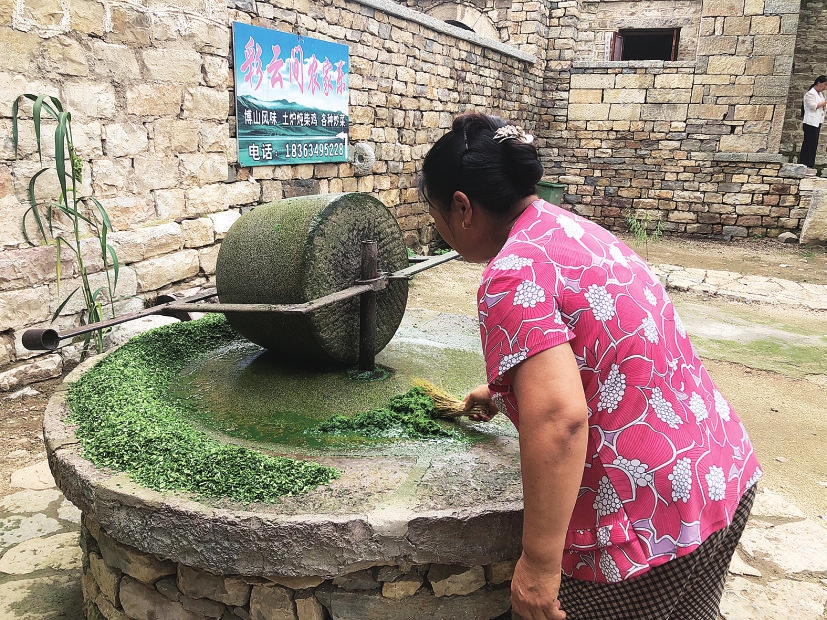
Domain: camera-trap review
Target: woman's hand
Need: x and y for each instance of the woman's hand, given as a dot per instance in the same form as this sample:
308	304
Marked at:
534	591
480	395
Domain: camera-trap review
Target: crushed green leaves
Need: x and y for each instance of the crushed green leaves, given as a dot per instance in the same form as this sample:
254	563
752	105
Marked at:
127	422
410	415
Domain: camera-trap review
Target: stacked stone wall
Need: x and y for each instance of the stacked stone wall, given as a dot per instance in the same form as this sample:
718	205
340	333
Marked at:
600	20
668	137
151	94
719	195
809	62
123	583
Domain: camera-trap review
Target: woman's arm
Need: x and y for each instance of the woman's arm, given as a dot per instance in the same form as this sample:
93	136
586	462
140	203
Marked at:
553	436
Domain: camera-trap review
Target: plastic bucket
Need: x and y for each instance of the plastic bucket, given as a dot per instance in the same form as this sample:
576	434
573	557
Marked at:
551	192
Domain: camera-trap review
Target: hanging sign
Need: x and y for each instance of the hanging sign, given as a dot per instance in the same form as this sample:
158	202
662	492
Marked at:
291	96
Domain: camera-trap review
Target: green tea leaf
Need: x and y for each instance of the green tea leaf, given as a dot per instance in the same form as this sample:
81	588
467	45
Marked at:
126	423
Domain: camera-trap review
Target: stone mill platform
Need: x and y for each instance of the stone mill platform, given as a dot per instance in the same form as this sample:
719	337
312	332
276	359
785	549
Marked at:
424	532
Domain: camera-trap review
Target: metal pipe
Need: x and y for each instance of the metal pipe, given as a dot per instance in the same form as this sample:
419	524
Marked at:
367	307
408	272
41	339
302	308
48	339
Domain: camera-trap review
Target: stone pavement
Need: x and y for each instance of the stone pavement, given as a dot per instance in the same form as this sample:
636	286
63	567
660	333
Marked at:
780	569
744	288
40	567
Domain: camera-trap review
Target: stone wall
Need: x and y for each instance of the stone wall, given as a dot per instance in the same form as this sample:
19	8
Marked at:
151	94
810	61
653	135
711	194
599	20
123	583
491	18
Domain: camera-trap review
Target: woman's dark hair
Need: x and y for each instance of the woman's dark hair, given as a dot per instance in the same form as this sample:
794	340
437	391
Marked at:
819	80
469	160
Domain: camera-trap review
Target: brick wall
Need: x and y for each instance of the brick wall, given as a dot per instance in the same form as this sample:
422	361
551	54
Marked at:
150	90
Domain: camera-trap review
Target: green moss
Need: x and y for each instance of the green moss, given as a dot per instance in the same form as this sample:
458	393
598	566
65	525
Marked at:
788	358
379	373
126	422
410	415
302	248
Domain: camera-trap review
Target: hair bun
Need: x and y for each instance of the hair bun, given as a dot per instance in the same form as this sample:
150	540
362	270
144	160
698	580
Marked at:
523	163
512	132
484	157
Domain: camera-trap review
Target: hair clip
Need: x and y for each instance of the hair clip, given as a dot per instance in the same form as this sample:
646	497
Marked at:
516	132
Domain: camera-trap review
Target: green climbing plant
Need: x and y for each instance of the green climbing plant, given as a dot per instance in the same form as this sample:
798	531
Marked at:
644	228
72	217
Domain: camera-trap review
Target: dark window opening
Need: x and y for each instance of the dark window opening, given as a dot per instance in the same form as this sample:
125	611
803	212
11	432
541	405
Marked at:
660	44
458	24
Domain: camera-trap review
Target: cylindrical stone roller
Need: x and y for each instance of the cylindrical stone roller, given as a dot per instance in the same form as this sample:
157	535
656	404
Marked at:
299	249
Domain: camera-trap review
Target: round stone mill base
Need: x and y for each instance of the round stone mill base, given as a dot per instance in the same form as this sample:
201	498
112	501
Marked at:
423	533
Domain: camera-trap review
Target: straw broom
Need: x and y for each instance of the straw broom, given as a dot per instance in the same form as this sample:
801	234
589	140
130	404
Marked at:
447	405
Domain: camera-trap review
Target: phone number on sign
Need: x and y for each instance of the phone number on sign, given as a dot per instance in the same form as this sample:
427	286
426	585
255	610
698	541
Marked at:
300	150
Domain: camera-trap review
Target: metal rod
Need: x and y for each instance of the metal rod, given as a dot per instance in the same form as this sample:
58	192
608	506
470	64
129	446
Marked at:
408	272
48	339
369	283
302	308
367	307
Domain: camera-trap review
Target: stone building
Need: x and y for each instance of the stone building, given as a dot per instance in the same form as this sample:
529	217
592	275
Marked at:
696	137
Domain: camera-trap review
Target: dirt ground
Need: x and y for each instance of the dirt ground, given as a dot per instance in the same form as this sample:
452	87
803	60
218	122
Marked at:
21	431
761	257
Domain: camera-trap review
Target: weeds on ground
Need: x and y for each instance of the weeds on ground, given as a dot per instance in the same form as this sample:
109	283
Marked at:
644	228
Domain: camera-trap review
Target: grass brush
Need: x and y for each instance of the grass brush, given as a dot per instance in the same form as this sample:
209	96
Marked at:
447	405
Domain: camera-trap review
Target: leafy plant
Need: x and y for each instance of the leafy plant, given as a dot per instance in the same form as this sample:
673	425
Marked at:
643	228
411	415
85	214
126	421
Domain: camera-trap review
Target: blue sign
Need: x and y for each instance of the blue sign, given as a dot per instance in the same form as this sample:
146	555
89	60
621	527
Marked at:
291	97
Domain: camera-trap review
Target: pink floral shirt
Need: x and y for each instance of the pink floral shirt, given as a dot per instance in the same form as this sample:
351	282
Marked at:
668	459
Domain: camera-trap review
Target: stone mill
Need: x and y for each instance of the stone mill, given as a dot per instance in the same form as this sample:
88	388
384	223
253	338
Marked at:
408	528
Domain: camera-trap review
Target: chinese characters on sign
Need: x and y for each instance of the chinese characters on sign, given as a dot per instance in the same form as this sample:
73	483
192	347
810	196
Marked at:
291	97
